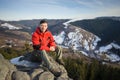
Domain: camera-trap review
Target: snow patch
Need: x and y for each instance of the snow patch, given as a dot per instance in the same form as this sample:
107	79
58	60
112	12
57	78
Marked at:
10	26
59	38
72	20
71	35
108	47
84	53
23	62
105	48
74	40
97	39
116	46
109	56
113	57
85	43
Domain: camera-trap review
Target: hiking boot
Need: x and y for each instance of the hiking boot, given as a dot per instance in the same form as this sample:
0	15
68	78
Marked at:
60	61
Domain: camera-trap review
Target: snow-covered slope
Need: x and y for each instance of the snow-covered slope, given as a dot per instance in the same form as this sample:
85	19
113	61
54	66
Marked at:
81	40
107	53
77	38
9	26
108	47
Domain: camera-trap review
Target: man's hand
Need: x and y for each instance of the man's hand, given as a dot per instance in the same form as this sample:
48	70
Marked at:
52	49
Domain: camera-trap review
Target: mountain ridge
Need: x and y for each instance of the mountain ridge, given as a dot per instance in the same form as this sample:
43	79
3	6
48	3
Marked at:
103	27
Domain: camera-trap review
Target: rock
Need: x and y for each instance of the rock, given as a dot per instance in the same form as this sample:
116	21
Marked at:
32	71
1	57
46	76
3	72
6	69
36	73
58	70
19	75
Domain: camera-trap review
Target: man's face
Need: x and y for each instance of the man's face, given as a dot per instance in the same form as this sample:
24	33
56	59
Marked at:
43	27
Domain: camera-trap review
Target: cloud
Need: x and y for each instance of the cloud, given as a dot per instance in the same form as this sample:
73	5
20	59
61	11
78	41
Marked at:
99	2
90	4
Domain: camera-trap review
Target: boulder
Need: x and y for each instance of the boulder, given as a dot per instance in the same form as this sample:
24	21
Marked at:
35	73
19	75
6	69
26	70
46	76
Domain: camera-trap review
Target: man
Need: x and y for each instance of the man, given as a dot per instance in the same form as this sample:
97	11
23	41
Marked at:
43	42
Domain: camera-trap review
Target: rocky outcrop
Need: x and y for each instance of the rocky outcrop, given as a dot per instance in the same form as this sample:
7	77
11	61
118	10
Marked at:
6	69
18	72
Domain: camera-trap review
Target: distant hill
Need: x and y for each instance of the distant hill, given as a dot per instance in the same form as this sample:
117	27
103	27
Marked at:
107	28
52	23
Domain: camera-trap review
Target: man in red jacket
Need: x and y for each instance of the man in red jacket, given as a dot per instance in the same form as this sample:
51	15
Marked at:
43	42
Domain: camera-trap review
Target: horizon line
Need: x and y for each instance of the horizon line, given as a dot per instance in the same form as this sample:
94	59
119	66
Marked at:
54	18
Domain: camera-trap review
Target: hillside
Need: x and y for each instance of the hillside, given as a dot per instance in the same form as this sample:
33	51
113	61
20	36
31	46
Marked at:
77	38
32	24
107	28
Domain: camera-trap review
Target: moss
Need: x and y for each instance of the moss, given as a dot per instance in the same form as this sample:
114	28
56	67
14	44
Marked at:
10	53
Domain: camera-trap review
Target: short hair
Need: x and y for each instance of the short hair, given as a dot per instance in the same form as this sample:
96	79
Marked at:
43	21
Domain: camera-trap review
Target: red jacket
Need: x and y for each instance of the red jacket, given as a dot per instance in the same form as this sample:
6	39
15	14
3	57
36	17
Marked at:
45	40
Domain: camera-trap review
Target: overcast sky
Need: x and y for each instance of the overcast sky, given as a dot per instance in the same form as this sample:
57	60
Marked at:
57	9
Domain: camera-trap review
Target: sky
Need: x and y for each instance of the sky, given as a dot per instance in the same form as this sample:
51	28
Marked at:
57	9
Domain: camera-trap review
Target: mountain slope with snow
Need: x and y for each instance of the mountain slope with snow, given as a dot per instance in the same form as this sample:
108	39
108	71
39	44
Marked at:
9	26
78	39
107	28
